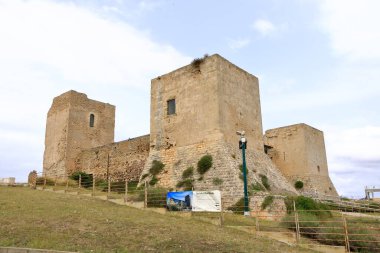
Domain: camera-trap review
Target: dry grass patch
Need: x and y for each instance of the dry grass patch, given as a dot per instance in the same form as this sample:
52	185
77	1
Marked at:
40	219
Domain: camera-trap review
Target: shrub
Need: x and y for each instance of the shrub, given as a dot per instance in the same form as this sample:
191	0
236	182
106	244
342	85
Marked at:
267	202
238	207
132	186
265	181
204	164
101	184
188	173
86	179
186	184
153	181
197	61
256	187
144	176
157	167
217	181
298	184
307	204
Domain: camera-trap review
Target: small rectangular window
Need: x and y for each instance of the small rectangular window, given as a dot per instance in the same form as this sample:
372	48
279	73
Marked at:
92	120
171	106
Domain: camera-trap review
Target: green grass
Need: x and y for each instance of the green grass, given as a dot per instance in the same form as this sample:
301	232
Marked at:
41	219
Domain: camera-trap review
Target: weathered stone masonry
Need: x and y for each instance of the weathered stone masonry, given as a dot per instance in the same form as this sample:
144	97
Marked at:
68	131
119	160
195	110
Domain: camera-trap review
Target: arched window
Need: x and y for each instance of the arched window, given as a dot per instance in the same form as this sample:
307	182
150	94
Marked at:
92	120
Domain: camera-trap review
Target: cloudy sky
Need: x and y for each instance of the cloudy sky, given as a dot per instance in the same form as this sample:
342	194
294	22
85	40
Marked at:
318	63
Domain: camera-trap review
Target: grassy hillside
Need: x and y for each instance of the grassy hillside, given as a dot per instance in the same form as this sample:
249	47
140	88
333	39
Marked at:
40	219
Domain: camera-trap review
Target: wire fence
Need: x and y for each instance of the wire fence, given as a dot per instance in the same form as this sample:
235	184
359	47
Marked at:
354	226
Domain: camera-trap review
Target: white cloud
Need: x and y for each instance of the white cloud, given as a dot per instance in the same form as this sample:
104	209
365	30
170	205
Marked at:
238	43
264	27
47	48
354	158
358	144
347	85
353	27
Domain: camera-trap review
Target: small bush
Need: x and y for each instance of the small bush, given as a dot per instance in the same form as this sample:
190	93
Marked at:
217	181
265	181
267	202
157	168
298	184
197	61
307	204
256	187
86	179
144	176
188	173
186	185
204	164
101	184
200	178
153	181
238	207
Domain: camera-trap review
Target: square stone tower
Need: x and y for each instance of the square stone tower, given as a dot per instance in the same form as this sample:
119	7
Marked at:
207	100
196	111
75	123
299	152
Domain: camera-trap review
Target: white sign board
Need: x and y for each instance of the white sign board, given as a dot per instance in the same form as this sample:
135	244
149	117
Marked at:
206	201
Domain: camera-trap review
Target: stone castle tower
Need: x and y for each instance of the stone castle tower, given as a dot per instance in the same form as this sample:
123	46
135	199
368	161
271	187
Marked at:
299	152
75	123
195	111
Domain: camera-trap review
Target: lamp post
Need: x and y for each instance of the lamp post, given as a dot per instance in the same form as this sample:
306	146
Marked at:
243	146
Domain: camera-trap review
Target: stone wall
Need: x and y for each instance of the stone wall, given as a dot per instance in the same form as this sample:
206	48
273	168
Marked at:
226	161
276	211
299	152
68	130
121	160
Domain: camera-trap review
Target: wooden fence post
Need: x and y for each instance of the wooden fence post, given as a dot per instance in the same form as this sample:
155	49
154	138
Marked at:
93	184
296	219
146	195
346	239
80	181
126	191
221	212
109	188
257	225
67	184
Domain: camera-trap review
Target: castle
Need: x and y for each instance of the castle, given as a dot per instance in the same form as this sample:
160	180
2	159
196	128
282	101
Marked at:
195	110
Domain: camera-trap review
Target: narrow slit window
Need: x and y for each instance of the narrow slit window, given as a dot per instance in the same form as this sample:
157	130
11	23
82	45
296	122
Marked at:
92	120
171	106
